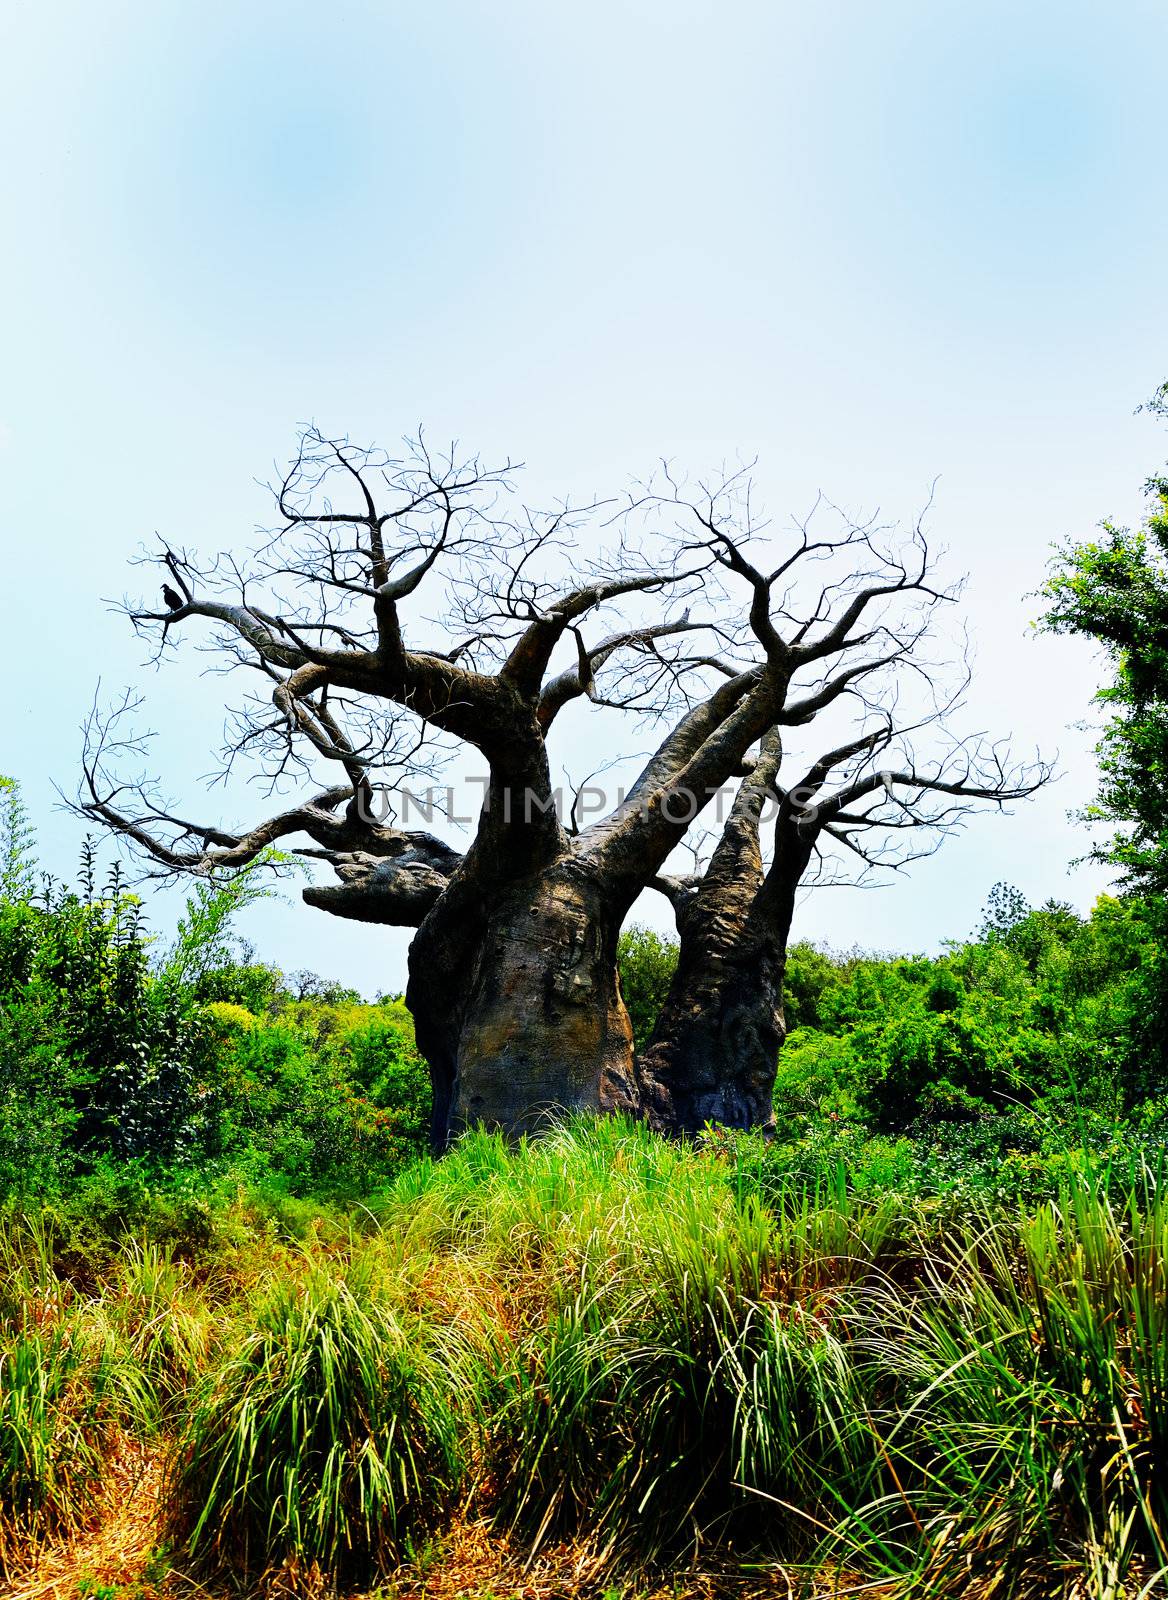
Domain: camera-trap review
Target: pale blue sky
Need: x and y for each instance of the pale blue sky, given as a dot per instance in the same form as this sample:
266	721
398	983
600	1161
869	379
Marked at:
872	244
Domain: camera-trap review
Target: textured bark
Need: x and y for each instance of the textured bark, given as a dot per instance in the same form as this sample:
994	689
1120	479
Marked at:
714	1049
517	1005
513	979
396	888
713	1053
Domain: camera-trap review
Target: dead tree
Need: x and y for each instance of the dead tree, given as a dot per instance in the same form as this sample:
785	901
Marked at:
713	1053
692	615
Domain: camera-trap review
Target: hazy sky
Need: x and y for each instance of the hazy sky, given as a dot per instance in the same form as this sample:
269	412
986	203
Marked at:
873	245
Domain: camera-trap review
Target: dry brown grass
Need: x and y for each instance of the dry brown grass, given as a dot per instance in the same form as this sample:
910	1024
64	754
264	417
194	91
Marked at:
112	1550
117	1555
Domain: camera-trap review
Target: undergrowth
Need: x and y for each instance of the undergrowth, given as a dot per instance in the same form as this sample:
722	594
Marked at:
661	1351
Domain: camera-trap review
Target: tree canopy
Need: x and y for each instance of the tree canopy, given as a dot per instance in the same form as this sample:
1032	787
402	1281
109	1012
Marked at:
1113	590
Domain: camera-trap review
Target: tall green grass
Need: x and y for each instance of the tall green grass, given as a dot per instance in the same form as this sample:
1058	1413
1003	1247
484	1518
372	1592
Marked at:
164	1322
663	1343
1031	1381
70	1392
650	1348
329	1436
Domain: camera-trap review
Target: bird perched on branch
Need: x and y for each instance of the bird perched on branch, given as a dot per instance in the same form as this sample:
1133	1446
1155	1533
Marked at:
174	600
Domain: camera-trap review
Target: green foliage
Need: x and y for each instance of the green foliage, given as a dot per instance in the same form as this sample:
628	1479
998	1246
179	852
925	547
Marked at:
118	1077
320	1098
1038	1376
809	974
689	1367
1045	1009
308	985
1005	909
256	987
95	1055
646	963
653	1364
1042	1009
919	1338
202	941
1114	591
163	1323
17	846
51	1458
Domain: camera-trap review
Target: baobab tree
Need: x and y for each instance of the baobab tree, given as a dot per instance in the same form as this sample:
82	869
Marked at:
690	615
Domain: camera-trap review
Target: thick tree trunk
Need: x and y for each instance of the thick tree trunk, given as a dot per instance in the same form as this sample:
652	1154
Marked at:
517	1004
714	1049
716	1045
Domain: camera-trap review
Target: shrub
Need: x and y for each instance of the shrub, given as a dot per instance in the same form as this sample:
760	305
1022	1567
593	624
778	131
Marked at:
646	963
327	1100
119	1056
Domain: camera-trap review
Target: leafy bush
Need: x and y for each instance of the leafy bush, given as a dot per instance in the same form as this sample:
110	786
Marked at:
646	963
320	1098
115	1059
1042	1010
119	1077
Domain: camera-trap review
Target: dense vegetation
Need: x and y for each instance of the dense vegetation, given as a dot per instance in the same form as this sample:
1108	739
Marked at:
1040	1031
1113	590
918	1337
607	1338
199	1074
913	1344
125	1073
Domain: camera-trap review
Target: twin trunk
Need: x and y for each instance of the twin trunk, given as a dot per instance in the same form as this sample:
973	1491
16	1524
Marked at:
715	1045
518	1009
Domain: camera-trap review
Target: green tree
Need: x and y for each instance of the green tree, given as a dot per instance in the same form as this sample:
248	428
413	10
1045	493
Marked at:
203	936
17	845
1114	591
646	963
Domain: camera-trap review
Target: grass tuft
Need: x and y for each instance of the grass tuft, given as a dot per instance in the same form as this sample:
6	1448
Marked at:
328	1437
